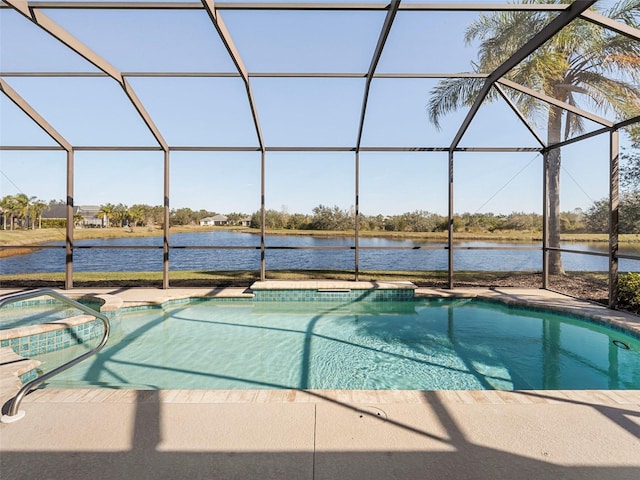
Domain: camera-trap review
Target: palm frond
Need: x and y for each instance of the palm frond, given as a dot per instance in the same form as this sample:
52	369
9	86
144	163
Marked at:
626	11
450	94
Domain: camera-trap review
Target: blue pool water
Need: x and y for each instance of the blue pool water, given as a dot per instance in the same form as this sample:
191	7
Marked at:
421	344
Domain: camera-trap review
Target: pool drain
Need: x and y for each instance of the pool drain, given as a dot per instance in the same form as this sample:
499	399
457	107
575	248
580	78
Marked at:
621	344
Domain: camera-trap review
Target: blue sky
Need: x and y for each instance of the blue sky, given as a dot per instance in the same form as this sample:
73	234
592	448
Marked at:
292	112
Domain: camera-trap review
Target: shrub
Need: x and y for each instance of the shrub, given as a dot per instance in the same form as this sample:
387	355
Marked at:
629	292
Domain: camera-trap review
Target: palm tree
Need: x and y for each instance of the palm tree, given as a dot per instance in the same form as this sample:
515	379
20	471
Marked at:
582	63
8	205
120	214
136	214
37	209
23	207
77	219
107	212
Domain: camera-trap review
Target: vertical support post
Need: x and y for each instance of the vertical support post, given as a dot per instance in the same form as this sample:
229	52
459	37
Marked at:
450	234
165	224
545	220
614	201
263	217
68	272
357	218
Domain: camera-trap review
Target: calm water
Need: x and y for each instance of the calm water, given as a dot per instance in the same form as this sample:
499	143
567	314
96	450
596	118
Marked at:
426	345
85	260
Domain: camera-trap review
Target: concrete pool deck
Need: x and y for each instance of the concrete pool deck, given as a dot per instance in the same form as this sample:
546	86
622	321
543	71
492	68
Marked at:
291	434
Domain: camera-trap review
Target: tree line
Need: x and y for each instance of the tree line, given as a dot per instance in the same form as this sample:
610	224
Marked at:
21	211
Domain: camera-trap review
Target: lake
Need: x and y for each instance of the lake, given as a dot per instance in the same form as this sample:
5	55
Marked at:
287	255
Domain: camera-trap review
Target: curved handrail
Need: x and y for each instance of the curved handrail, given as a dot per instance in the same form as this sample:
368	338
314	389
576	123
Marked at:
15	414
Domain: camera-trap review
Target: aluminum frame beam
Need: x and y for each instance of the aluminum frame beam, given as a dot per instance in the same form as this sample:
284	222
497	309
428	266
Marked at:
137	5
288	149
31	112
225	36
613	25
614	214
250	74
628	122
550	100
382	39
584	136
557	24
520	115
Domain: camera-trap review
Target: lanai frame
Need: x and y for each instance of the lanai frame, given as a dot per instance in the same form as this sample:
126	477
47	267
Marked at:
566	13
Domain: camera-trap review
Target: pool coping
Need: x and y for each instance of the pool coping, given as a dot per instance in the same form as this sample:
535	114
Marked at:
253	396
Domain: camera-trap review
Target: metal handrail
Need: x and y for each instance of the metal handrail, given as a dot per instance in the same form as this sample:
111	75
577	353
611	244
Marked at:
14	414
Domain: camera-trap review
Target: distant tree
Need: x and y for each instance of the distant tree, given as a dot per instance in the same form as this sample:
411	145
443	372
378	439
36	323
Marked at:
9	205
630	168
521	221
23	207
630	212
120	214
155	215
256	220
477	222
597	216
298	221
395	223
573	221
331	218
77	219
37	209
235	218
137	214
107	211
273	219
372	222
182	216
419	221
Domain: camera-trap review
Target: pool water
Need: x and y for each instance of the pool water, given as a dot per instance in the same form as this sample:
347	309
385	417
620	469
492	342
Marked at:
35	313
422	344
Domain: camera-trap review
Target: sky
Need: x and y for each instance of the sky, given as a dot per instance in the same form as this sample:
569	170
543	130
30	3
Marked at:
292	112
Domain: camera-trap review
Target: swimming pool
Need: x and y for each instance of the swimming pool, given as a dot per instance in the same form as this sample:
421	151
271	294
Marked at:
419	344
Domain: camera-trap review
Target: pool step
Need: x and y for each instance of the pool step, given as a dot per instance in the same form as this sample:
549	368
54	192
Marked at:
12	366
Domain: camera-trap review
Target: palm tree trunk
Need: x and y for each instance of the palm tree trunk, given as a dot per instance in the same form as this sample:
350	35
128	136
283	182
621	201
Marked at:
554	129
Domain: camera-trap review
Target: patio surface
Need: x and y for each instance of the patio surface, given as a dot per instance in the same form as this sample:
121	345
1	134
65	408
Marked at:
290	434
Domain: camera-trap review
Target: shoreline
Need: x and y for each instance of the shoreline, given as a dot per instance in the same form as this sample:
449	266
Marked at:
22	242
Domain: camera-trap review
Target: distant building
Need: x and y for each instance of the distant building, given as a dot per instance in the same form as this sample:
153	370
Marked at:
220	220
91	216
216	220
223	220
55	211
